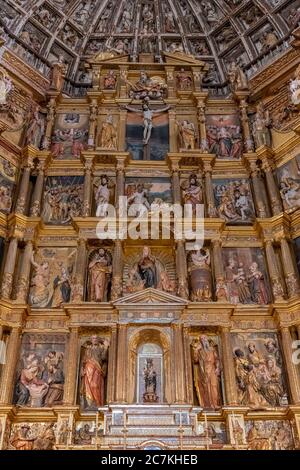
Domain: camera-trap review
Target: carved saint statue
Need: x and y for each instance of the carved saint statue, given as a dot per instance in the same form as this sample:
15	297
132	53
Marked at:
200	275
6	86
192	192
93	372
187	135
184	81
150	378
108	135
261	127
35	128
207	372
148	115
295	88
59	71
103	187
100	269
237	77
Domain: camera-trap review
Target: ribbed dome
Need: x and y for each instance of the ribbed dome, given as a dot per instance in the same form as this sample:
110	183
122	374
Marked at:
217	31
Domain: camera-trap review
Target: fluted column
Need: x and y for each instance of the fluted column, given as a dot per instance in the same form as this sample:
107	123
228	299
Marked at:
209	191
50	122
71	373
9	268
278	291
257	189
121	375
24	276
274	196
290	274
229	367
93	124
188	366
9	369
35	209
178	358
87	190
117	271
221	288
111	372
292	372
24	187
181	270
78	286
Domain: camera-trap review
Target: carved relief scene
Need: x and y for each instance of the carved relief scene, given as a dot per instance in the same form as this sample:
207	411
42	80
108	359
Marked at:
234	201
40	372
246	276
224	136
63	196
259	369
289	183
70	135
8	174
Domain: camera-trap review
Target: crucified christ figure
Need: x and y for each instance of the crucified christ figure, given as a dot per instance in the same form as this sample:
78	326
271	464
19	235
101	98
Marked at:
147	114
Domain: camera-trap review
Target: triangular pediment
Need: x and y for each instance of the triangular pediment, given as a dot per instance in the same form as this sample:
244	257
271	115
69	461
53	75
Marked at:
108	57
150	296
178	58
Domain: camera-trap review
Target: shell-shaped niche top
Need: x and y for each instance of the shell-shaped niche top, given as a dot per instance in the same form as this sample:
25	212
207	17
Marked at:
217	31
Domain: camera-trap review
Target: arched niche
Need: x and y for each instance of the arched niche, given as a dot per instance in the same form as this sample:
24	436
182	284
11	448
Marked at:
141	343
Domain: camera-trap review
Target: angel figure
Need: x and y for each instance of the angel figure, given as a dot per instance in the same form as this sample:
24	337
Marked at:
103	187
40	294
148	115
62	284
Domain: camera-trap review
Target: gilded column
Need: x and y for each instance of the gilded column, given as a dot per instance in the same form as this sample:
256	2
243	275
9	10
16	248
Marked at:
9	369
117	271
256	183
178	355
24	187
50	122
174	167
209	191
93	124
1	332
290	367
78	286
290	274
122	351
9	268
221	288
170	82
181	270
35	209
272	187
201	102
71	373
111	377
120	186
278	291
87	191
229	367
122	131
173	131
188	366
24	276
298	331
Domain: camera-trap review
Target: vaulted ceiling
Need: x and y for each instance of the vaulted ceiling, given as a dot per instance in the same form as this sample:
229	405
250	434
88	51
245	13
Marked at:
217	31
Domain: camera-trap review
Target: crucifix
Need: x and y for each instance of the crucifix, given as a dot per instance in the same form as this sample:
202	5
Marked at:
148	115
